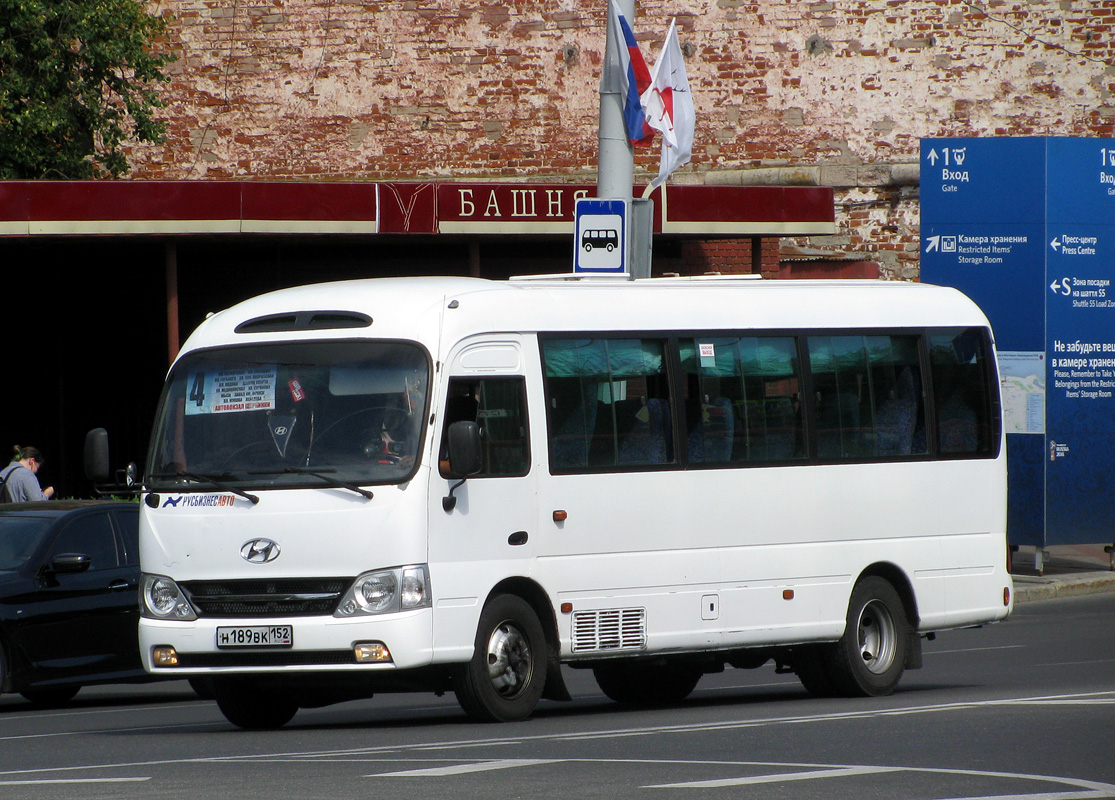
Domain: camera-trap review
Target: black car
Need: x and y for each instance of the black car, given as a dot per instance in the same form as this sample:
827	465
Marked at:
69	605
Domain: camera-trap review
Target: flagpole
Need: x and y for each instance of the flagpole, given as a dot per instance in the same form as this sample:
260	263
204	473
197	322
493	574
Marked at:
616	158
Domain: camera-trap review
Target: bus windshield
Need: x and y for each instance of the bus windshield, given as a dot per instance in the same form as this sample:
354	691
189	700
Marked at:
295	414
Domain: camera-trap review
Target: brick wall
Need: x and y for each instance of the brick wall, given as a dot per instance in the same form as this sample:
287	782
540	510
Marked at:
411	89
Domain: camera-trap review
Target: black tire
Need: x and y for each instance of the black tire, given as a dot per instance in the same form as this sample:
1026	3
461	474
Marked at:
203	687
646	684
870	657
811	663
246	705
504	679
51	698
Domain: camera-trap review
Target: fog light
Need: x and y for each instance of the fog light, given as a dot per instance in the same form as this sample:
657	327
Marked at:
164	656
372	653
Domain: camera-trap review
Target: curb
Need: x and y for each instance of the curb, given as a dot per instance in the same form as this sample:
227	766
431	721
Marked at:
1028	588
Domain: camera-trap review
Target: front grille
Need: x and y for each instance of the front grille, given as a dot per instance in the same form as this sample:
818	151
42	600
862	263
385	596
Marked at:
284	597
285	658
610	629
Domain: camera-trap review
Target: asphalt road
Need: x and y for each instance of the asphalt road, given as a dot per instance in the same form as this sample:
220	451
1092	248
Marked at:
1020	711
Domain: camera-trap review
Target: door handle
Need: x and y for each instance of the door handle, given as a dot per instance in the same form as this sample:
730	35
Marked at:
117	586
518	537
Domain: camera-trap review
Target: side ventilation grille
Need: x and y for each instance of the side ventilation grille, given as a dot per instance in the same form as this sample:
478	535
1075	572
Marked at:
610	629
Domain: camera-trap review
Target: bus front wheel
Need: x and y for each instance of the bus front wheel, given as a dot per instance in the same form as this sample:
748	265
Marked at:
504	679
247	705
869	658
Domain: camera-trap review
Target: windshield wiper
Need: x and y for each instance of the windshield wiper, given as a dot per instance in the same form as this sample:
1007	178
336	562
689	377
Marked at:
321	475
213	480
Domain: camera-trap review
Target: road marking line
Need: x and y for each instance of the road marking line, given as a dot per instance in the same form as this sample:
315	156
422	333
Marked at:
464	769
547	737
55	734
975	649
72	780
1089	795
777	778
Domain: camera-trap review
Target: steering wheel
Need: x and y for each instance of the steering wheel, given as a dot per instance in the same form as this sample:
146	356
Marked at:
393	417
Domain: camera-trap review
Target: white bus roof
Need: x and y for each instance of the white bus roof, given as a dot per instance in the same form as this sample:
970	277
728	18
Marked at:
403	308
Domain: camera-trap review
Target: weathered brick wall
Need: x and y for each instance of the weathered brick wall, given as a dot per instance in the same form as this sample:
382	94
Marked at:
401	89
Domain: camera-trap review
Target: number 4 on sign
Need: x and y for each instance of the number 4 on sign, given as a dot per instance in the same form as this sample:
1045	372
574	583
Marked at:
197	391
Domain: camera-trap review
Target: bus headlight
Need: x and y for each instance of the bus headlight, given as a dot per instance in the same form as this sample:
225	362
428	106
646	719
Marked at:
160	598
376	592
387	590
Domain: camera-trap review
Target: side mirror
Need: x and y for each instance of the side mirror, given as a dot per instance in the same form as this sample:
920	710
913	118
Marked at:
69	563
465	457
465	454
97	467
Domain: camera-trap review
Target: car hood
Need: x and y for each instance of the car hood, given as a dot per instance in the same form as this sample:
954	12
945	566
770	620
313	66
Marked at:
12	582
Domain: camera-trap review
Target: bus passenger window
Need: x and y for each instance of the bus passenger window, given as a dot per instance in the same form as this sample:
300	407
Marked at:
498	406
741	399
960	363
868	396
608	403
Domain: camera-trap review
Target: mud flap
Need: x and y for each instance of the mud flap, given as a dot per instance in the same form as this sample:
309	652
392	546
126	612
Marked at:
913	650
555	682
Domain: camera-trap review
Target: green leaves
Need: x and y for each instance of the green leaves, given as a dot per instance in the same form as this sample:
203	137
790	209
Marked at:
77	81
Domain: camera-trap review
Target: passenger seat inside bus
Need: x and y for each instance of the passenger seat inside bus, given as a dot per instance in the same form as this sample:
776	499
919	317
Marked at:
647	437
710	435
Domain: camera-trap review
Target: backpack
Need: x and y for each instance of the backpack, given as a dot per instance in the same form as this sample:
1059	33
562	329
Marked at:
5	495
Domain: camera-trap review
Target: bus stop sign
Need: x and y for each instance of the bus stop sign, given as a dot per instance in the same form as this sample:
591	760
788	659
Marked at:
600	240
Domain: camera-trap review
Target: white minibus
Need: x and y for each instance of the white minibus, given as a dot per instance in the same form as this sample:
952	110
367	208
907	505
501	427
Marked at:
453	484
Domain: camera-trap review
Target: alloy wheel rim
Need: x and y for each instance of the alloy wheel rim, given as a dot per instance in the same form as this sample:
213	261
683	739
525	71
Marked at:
509	660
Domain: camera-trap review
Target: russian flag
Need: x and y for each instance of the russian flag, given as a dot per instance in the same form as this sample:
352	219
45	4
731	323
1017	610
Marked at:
634	77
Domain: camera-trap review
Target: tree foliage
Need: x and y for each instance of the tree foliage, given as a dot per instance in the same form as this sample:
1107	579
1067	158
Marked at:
77	81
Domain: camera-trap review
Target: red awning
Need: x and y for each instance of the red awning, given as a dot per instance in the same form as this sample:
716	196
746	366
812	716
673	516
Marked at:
115	208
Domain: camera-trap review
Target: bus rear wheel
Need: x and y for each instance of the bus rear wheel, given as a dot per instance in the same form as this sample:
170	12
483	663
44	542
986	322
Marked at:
503	680
811	663
646	684
870	657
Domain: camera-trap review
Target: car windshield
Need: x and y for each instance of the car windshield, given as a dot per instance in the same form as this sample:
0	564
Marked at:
19	536
299	414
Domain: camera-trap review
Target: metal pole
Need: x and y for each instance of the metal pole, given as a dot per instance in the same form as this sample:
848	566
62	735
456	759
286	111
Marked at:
616	163
170	263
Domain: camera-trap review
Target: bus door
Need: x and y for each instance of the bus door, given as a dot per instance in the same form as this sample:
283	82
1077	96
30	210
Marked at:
490	530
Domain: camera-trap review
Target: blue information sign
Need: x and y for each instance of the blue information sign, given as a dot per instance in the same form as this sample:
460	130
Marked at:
600	236
1026	228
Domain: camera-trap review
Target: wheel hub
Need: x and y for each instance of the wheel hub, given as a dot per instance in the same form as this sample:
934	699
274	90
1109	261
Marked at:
877	637
509	660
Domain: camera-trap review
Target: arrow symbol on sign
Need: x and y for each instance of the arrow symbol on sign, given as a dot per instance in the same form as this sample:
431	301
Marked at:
934	243
932	157
1055	244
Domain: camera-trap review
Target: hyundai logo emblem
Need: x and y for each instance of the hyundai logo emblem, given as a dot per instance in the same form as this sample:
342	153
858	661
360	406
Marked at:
259	551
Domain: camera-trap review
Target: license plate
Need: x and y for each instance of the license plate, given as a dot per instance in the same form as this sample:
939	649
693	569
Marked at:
256	636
